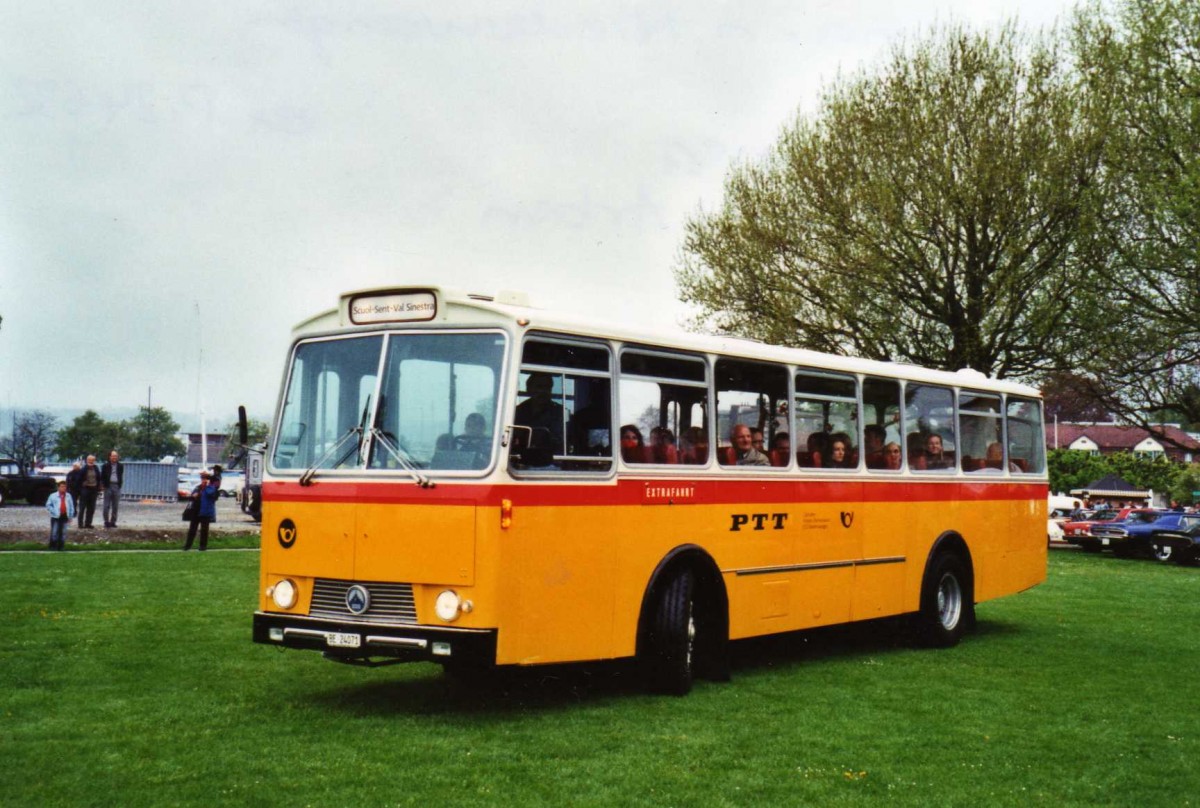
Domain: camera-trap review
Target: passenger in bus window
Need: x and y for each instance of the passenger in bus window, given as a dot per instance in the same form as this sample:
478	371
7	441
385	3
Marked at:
818	449
873	440
632	444
995	458
781	449
474	437
541	413
743	447
662	444
695	446
839	452
891	456
935	458
756	439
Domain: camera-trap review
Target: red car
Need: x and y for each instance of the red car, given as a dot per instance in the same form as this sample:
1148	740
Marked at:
1080	532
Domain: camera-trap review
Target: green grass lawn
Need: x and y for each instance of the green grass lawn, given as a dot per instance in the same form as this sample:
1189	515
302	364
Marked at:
130	679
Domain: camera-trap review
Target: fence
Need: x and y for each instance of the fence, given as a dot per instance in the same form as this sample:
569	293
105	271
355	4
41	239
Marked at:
151	481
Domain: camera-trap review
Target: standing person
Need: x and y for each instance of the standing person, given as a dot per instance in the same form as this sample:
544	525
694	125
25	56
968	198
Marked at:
204	510
112	474
89	487
541	413
61	507
75	485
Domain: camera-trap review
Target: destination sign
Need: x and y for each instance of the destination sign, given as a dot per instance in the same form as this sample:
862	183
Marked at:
404	307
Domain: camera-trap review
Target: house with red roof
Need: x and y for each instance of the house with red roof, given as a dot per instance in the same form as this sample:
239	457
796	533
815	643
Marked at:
1105	439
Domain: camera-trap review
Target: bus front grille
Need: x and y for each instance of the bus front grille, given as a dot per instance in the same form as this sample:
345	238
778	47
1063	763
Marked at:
389	603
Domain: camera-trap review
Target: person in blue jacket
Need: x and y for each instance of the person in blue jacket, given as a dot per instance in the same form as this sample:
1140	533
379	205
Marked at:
61	507
204	510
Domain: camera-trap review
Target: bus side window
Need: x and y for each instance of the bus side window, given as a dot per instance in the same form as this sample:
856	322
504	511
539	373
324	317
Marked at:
929	419
752	395
664	401
563	417
882	441
827	420
1026	436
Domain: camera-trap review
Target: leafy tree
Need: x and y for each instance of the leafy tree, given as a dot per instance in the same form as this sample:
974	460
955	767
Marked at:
33	437
152	435
930	212
1071	469
1073	397
1146	58
91	434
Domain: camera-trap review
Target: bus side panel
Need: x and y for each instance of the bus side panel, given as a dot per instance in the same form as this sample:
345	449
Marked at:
559	582
879	582
1019	558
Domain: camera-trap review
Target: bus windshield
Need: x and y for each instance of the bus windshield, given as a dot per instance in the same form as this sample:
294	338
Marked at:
432	407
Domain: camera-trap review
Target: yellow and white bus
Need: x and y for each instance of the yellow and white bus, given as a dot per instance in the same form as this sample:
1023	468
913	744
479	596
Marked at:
469	480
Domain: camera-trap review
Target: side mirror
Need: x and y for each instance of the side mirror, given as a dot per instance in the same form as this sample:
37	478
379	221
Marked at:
242	429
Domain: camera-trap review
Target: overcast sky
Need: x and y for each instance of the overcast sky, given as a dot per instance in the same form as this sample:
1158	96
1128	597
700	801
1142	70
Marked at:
184	176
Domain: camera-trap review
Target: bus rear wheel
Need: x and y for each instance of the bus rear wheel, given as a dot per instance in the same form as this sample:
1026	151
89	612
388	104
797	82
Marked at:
668	655
947	602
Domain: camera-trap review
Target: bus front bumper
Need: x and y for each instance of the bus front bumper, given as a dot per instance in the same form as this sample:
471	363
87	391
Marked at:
359	642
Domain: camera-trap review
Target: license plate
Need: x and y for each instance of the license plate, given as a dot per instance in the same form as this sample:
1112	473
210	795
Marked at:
340	640
1104	542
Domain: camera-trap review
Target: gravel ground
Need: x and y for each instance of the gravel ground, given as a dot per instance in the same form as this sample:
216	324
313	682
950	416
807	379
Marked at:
137	521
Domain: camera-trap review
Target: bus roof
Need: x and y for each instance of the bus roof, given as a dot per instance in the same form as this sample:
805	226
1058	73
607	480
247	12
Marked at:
426	306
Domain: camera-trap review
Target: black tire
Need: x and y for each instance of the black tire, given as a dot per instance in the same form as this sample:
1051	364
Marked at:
1185	557
1090	547
1121	551
1162	552
947	602
670	641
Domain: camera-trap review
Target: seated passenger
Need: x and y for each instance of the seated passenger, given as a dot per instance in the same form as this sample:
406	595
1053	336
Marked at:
891	456
662	445
756	439
781	449
474	437
839	452
995	458
632	445
743	448
695	446
541	413
935	458
818	448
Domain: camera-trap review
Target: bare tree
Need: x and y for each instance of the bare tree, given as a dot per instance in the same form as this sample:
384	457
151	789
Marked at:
33	437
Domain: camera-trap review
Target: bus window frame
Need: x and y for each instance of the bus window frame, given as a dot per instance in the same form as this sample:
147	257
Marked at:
706	385
514	388
856	380
789	397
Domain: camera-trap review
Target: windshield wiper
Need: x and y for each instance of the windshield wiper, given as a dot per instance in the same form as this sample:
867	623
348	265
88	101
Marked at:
307	477
401	457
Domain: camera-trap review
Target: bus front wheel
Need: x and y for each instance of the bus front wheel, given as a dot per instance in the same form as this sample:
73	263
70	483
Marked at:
668	656
947	602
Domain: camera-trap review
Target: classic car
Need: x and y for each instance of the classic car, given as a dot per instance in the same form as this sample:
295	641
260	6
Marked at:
1079	531
1131	538
16	484
1180	546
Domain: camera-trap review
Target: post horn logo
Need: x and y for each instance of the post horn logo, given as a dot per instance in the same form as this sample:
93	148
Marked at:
847	518
287	533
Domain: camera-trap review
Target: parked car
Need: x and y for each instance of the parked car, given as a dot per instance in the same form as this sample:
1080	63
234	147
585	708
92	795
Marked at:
16	484
1103	533
231	483
1079	531
1053	531
188	480
1180	546
1132	538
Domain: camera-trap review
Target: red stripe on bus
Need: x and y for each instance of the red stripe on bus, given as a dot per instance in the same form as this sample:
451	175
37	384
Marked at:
654	492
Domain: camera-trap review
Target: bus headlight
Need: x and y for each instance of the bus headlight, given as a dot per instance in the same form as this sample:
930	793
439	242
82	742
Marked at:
283	593
447	605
